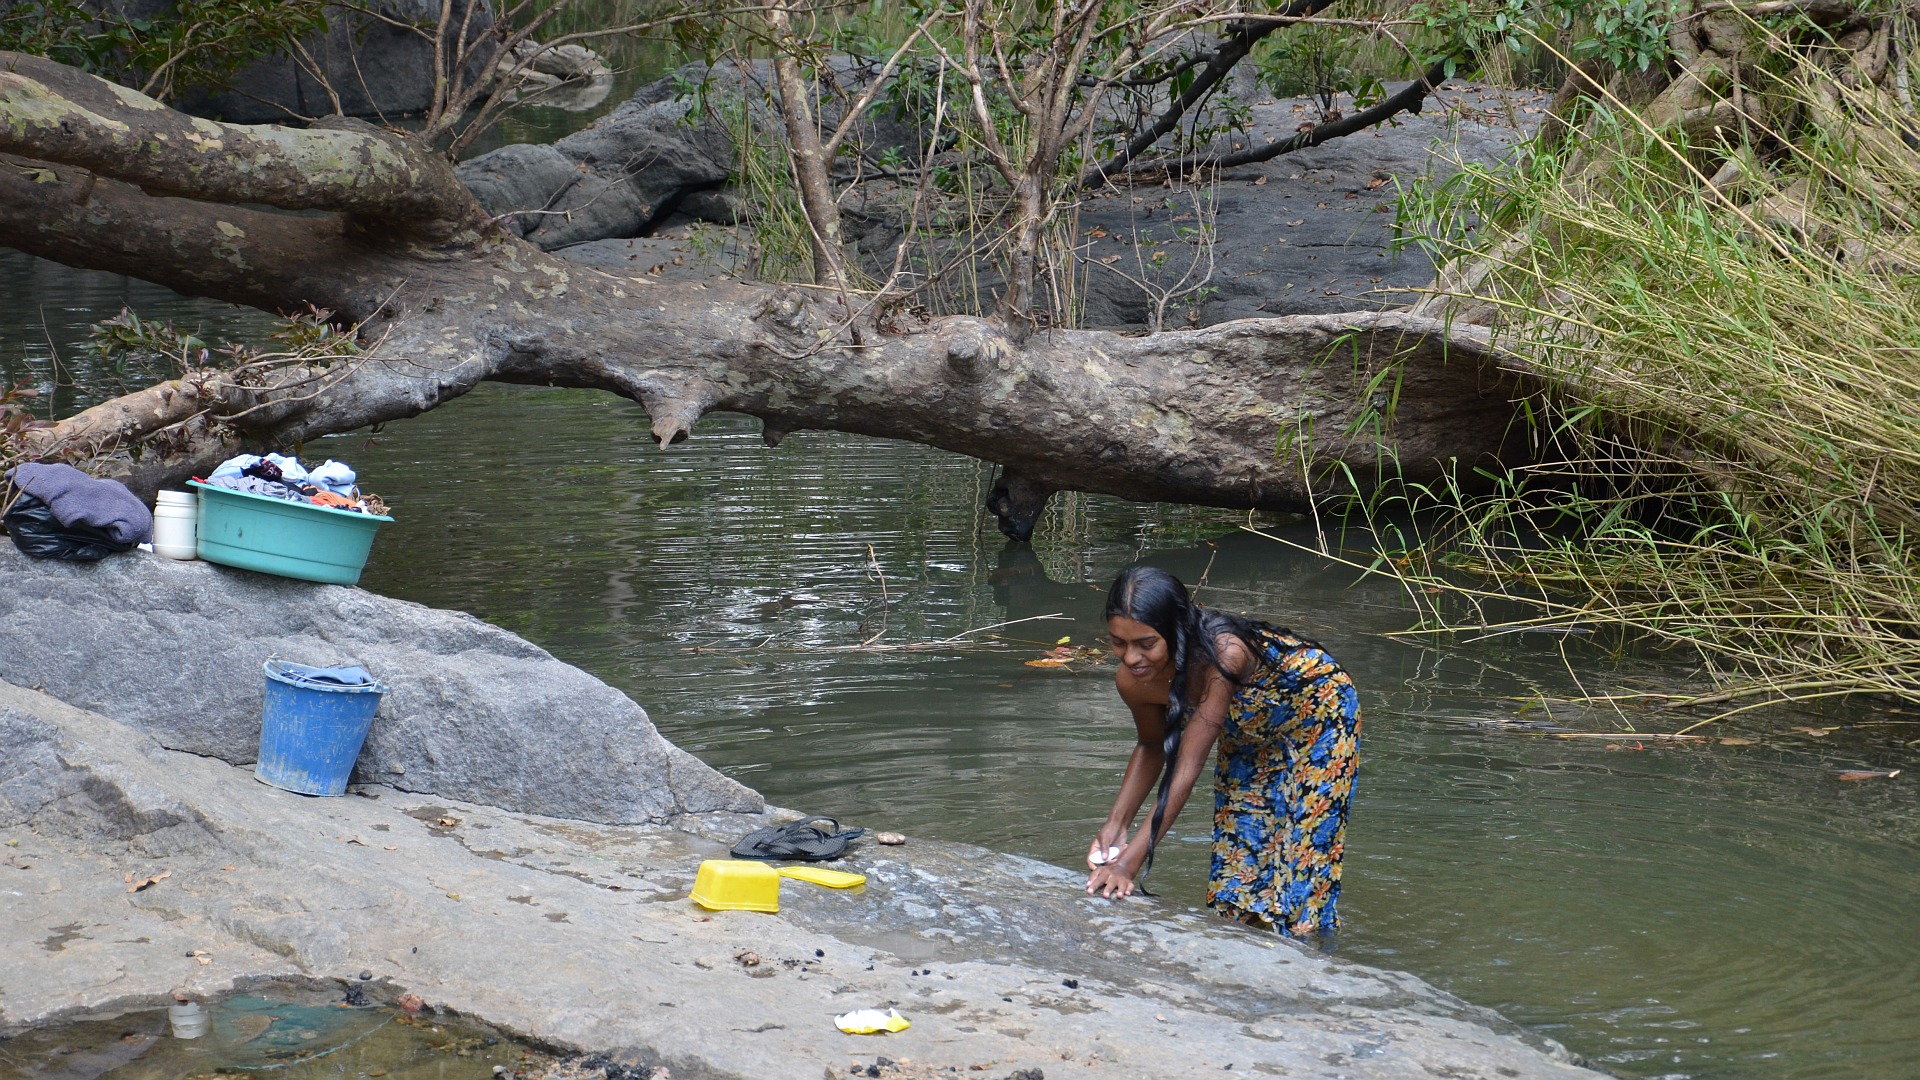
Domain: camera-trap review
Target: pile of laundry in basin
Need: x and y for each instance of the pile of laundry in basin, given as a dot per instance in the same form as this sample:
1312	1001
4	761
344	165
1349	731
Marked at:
331	484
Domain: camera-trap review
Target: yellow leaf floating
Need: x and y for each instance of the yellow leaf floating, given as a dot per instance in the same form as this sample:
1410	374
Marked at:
871	1022
1068	640
1047	661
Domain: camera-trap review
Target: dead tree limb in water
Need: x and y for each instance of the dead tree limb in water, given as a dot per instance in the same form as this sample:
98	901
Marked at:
374	227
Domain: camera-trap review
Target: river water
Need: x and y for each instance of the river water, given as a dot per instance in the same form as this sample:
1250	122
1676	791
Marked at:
1668	910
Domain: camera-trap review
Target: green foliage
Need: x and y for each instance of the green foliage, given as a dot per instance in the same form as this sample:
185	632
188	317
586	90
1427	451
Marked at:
782	248
127	334
1318	61
196	44
1629	34
309	337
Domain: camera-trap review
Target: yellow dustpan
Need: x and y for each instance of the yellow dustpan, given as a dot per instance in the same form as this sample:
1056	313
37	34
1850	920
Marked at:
736	885
820	875
748	885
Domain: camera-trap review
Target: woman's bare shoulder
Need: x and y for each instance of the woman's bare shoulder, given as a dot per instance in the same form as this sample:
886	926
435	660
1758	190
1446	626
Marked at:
1235	656
1138	693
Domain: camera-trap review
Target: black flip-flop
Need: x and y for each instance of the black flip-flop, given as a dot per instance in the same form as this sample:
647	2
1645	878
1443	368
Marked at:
802	840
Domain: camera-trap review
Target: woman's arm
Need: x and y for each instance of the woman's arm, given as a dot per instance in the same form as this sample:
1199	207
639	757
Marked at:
1204	723
1143	767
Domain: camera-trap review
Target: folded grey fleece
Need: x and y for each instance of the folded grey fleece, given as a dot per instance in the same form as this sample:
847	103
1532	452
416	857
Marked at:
78	499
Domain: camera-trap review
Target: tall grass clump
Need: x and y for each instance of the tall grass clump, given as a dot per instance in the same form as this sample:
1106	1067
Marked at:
1728	336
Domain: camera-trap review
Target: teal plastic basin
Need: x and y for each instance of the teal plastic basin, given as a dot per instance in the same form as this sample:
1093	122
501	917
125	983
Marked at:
274	536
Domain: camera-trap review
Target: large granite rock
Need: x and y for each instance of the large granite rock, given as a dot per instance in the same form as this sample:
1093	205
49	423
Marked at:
175	650
581	936
613	179
670	147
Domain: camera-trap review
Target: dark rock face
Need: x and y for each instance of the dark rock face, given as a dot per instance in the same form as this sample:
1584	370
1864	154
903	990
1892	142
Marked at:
1307	233
655	154
377	66
614	179
175	650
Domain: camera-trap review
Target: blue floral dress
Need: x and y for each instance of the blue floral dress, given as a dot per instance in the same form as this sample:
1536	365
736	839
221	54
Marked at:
1281	789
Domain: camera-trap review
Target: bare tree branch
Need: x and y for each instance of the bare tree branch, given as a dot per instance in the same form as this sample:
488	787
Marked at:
1238	43
1408	98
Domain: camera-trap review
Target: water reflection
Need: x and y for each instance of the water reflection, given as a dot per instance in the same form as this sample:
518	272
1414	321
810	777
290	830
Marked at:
285	1032
49	309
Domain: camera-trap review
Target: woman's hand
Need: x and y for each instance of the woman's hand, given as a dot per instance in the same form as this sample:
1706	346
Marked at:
1112	881
1106	847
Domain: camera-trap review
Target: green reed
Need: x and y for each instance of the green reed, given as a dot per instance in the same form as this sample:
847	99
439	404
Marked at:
1729	434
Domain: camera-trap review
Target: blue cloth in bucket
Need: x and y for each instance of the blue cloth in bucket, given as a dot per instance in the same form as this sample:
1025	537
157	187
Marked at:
313	724
326	677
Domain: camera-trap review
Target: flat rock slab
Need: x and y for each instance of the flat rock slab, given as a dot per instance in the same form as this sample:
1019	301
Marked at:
581	935
175	649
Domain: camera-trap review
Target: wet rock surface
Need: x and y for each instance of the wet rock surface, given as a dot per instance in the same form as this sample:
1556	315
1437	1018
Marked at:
174	649
132	871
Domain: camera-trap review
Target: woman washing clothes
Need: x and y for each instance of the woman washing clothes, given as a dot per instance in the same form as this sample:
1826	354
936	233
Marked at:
1288	724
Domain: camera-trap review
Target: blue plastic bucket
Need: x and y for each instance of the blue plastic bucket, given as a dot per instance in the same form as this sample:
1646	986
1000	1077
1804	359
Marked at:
310	733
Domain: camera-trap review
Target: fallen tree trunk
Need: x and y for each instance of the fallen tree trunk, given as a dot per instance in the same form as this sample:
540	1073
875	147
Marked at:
1264	414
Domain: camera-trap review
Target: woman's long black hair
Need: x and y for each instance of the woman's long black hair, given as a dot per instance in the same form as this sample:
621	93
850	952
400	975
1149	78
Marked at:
1149	595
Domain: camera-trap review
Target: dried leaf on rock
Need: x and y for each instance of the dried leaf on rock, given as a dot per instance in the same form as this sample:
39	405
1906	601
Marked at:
134	886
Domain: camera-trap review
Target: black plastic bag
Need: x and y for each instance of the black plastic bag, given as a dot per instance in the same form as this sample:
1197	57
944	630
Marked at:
39	534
